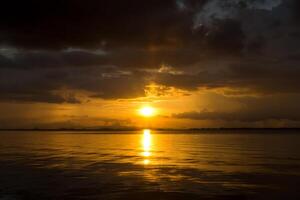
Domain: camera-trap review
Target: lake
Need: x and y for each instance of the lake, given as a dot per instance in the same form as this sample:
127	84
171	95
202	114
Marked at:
150	165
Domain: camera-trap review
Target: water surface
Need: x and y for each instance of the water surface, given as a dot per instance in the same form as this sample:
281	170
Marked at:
149	165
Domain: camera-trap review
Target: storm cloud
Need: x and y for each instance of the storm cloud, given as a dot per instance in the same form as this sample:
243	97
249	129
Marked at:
252	109
72	51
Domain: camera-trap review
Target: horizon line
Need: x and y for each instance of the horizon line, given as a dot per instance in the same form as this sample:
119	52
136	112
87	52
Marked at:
157	129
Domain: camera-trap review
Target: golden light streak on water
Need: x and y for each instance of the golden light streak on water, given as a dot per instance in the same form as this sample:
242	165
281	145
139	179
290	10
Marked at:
146	145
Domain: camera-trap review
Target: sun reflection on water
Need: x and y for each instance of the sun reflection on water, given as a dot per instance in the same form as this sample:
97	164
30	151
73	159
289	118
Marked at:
146	145
146	161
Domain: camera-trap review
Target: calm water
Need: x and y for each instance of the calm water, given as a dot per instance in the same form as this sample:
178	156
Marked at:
149	165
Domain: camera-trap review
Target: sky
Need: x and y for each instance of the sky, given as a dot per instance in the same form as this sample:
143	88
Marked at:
198	63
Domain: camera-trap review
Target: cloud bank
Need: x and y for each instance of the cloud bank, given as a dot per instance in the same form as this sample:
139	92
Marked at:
72	51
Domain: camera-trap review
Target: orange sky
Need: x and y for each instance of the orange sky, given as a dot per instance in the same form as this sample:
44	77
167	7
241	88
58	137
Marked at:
95	113
94	64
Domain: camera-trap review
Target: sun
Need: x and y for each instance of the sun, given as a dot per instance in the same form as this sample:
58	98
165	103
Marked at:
147	111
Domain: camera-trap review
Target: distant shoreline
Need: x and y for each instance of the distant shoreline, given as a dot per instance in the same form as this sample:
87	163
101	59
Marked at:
155	129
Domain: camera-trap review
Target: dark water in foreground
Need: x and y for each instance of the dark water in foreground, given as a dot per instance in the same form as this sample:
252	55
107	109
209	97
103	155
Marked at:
149	165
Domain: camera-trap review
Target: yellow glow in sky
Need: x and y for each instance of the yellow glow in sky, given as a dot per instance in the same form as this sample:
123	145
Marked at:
147	111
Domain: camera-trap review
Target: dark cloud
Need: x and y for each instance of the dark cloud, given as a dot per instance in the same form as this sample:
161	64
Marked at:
109	24
252	110
69	122
113	49
261	76
60	24
61	85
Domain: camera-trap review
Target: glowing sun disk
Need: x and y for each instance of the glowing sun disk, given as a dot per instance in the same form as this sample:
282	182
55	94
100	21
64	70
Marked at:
147	111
